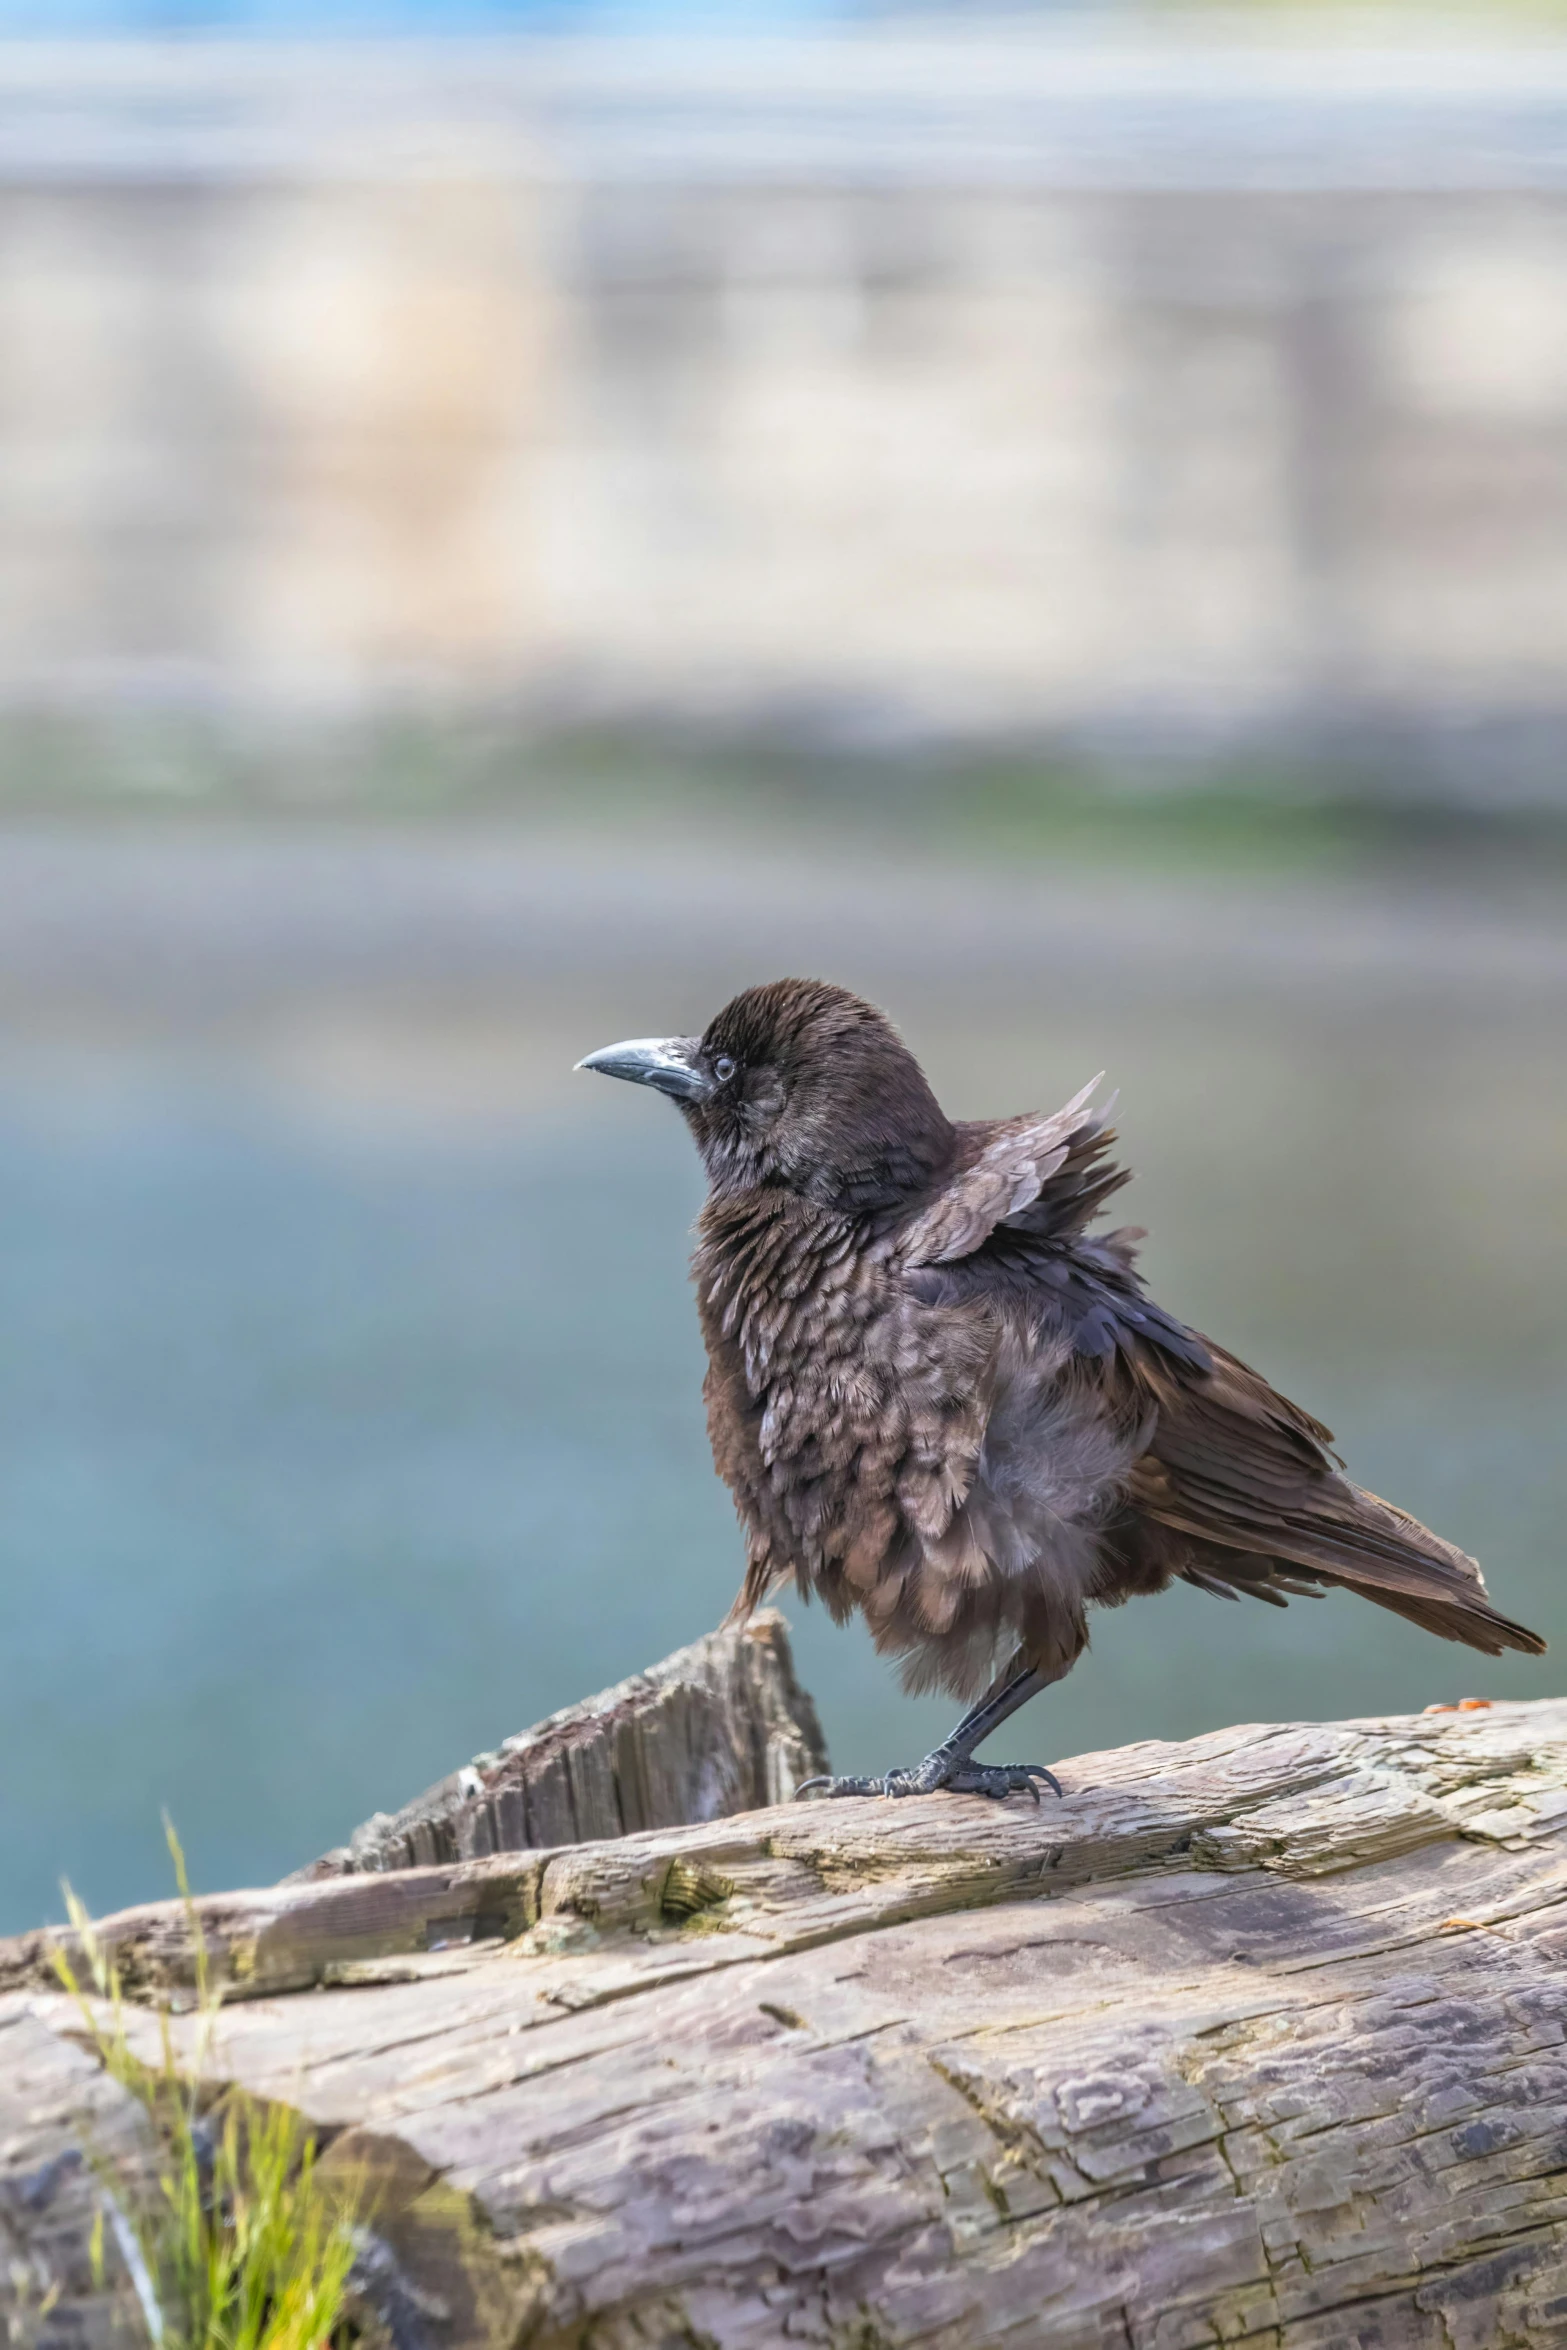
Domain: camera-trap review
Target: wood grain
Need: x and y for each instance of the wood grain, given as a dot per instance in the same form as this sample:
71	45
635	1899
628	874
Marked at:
1253	2040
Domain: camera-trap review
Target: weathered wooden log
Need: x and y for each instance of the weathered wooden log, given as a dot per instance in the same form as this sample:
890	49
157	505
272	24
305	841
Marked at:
719	1727
1260	2039
64	2125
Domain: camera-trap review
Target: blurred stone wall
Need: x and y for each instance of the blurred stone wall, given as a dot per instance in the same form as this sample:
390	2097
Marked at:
272	440
874	387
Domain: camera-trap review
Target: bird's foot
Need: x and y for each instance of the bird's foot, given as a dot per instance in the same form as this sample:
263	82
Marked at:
954	1773
1001	1780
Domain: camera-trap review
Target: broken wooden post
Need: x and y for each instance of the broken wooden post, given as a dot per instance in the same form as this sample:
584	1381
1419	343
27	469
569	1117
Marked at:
719	1727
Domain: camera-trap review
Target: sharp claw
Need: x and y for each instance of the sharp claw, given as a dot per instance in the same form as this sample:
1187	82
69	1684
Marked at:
805	1786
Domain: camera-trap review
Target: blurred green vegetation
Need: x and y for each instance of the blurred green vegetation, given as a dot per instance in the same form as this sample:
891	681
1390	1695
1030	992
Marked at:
238	2247
1160	812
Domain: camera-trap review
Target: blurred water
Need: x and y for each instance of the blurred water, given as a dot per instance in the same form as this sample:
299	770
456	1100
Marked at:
349	1410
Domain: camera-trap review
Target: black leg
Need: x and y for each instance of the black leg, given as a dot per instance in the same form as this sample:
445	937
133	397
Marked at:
951	1764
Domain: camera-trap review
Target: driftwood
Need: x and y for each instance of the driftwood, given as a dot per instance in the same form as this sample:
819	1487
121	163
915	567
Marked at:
1255	2040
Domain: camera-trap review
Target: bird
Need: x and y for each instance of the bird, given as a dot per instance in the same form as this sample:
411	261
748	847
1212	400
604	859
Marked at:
943	1399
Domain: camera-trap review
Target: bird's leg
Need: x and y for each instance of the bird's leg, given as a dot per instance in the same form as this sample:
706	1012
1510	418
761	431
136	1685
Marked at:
952	1764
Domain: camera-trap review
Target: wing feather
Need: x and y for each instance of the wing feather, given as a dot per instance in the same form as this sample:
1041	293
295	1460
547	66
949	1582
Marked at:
1006	1171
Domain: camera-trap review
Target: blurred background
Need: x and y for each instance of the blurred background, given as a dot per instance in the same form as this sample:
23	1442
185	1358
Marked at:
517	521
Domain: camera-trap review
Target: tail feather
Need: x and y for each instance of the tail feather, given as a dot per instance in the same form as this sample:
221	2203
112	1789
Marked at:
1476	1627
1359	1542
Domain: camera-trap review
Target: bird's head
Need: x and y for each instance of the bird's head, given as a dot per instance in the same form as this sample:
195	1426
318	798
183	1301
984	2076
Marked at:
799	1084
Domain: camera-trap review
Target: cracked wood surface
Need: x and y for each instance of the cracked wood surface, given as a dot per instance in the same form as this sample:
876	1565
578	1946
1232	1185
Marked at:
1257	2039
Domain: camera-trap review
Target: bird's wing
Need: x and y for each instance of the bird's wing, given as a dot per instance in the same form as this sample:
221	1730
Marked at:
1010	1226
1247	1477
1237	1486
1033	1172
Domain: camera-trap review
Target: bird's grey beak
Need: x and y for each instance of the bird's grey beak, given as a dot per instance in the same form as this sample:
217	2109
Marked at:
668	1063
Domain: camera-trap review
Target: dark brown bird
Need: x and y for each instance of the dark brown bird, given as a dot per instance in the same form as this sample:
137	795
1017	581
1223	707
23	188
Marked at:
939	1398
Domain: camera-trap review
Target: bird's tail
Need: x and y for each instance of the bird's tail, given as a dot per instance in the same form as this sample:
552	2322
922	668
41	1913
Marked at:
1402	1565
1365	1544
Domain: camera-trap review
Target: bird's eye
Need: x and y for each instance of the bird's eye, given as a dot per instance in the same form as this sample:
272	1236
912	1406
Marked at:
723	1068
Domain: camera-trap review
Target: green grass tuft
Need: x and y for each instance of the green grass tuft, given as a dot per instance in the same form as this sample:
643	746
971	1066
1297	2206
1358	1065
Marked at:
240	2247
